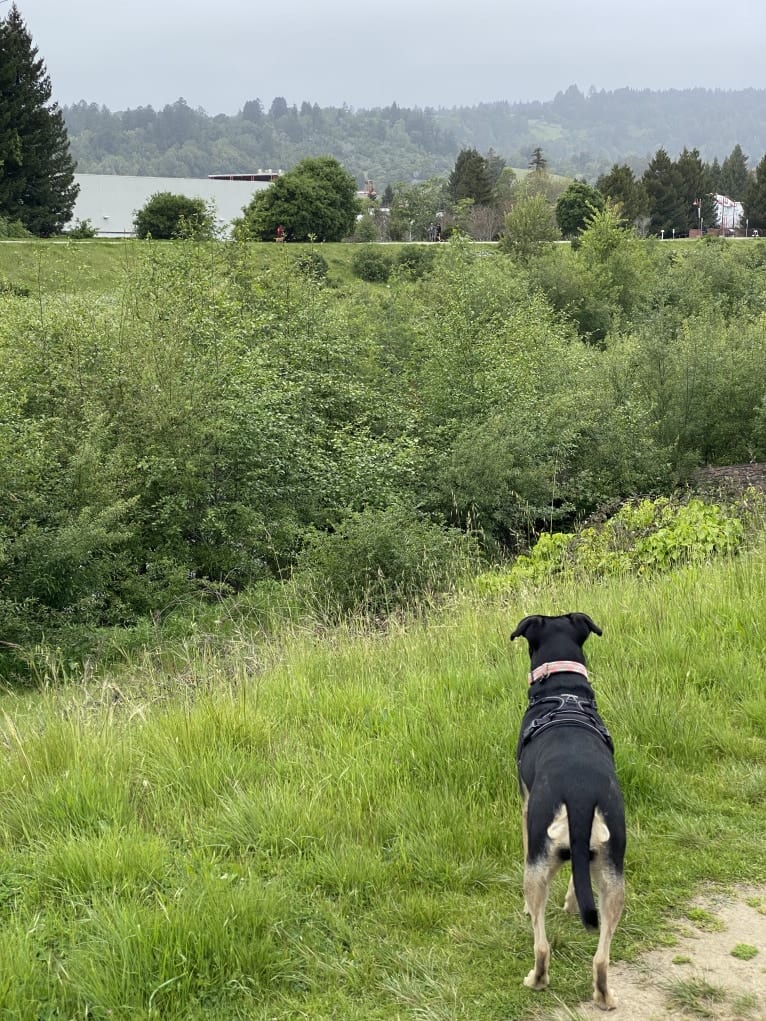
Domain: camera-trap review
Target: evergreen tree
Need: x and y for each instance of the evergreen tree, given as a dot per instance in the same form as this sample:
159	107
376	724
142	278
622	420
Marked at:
36	170
664	187
470	178
754	200
695	190
734	174
537	162
624	191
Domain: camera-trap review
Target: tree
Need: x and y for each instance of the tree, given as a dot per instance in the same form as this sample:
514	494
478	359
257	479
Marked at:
754	201
696	189
470	178
575	206
625	192
538	164
167	216
316	198
664	187
253	111
36	170
413	207
734	174
529	227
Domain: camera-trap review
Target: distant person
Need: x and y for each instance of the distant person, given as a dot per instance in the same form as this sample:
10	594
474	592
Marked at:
280	233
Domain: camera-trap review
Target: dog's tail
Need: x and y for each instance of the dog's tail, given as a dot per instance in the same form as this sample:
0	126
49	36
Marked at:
585	827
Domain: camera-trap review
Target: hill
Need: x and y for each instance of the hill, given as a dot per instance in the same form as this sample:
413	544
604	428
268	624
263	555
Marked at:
581	135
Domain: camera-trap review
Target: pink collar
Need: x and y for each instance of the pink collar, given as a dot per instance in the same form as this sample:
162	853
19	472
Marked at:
558	666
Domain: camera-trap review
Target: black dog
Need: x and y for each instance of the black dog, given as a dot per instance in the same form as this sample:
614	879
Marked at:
573	805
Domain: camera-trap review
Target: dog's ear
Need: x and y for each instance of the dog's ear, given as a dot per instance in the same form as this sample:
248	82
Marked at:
584	625
527	627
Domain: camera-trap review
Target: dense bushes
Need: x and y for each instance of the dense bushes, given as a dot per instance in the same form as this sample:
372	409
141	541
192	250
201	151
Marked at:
370	264
211	426
381	560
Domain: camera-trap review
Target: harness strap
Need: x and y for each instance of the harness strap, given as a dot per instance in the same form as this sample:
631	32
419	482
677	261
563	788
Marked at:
570	710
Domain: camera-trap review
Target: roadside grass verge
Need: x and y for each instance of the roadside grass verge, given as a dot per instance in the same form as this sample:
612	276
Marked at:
328	826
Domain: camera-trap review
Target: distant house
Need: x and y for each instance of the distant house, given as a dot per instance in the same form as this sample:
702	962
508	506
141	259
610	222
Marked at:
110	201
729	213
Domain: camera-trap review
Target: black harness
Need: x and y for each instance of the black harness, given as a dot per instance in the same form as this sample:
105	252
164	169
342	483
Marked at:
567	711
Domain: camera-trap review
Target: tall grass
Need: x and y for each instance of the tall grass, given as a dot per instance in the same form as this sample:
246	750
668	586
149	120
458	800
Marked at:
330	827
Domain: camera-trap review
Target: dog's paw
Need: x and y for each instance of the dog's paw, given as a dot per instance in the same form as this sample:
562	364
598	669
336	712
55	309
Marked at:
605	1000
535	981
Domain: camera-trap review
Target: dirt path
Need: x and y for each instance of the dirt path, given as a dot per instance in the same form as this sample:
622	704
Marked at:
716	970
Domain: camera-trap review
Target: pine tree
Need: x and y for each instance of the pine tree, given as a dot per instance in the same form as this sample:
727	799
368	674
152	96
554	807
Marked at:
470	179
734	174
665	189
754	200
36	170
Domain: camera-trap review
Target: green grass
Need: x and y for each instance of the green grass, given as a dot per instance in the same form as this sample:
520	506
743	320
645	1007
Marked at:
61	266
327	826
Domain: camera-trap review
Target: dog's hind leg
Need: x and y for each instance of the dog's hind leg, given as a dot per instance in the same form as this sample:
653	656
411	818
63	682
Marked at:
611	897
536	879
570	900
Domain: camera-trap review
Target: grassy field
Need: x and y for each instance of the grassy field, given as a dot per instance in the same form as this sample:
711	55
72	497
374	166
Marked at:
327	826
76	267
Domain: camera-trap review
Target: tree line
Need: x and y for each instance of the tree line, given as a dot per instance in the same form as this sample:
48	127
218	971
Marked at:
584	135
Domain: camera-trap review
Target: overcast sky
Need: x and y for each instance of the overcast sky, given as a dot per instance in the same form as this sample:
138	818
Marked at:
129	53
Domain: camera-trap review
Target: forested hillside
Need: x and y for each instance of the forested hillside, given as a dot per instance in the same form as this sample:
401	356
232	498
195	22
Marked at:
581	135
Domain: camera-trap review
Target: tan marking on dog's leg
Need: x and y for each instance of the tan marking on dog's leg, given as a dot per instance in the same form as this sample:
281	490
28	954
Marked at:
570	901
536	879
525	834
611	897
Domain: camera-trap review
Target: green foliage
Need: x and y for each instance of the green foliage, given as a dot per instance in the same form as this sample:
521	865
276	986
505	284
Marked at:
414	207
626	193
529	228
734	176
83	229
371	264
166	216
316	199
177	422
664	187
37	185
576	206
642	537
415	262
754	200
12	229
378	561
470	178
312	264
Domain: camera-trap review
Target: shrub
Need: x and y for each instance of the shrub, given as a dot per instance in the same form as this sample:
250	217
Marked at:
380	560
371	265
642	537
415	262
13	229
312	265
82	230
166	216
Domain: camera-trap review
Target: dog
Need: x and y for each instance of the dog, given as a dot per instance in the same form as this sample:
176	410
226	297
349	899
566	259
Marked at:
572	803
